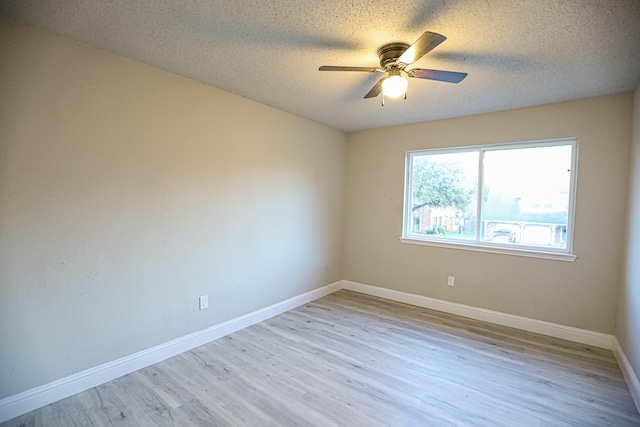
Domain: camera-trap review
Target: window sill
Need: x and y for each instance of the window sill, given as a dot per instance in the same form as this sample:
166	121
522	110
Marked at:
473	246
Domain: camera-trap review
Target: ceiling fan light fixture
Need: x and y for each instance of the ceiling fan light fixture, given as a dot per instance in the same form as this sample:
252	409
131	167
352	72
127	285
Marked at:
394	60
395	85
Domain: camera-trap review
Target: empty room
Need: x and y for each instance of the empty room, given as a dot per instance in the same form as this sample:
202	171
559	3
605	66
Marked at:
320	213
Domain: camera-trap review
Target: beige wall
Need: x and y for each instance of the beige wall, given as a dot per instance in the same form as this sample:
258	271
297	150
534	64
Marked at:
581	294
628	324
126	192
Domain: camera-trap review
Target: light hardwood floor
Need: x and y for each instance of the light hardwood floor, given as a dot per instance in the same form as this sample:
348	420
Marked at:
355	360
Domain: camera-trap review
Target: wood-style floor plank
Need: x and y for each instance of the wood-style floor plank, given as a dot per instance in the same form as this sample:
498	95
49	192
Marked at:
354	360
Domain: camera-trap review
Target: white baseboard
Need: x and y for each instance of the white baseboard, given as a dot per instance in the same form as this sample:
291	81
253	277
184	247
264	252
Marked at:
16	405
583	336
627	371
29	400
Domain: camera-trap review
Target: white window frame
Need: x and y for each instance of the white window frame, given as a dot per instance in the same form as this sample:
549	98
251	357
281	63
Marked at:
562	254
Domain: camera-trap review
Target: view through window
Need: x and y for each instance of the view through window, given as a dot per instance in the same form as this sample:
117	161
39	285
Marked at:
509	196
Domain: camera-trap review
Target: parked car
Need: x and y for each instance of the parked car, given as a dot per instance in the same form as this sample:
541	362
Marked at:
504	235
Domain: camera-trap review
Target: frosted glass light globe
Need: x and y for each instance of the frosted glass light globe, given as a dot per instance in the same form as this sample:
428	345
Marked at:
394	86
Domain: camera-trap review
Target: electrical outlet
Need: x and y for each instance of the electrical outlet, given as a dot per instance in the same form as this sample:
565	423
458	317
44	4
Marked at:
451	280
203	302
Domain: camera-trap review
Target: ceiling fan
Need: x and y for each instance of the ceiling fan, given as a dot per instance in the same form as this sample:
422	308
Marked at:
394	58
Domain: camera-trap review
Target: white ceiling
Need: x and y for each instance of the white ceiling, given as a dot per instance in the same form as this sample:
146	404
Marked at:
517	53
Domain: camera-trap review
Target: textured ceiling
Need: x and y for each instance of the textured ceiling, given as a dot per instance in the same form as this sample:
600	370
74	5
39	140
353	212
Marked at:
517	53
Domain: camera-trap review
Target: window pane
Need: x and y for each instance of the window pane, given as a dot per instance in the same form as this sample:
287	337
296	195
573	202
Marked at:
525	196
444	195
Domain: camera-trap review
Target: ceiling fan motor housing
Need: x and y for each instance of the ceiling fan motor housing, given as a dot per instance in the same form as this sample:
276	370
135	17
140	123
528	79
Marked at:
390	53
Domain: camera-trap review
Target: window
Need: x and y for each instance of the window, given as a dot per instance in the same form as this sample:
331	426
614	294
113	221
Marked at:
511	198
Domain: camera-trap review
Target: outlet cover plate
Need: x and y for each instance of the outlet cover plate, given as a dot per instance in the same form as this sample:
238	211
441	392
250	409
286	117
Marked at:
203	302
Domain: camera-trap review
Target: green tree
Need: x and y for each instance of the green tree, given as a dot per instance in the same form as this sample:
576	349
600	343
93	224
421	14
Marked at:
440	184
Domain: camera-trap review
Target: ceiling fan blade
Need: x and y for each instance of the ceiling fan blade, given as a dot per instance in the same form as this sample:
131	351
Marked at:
423	45
339	68
441	76
376	89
